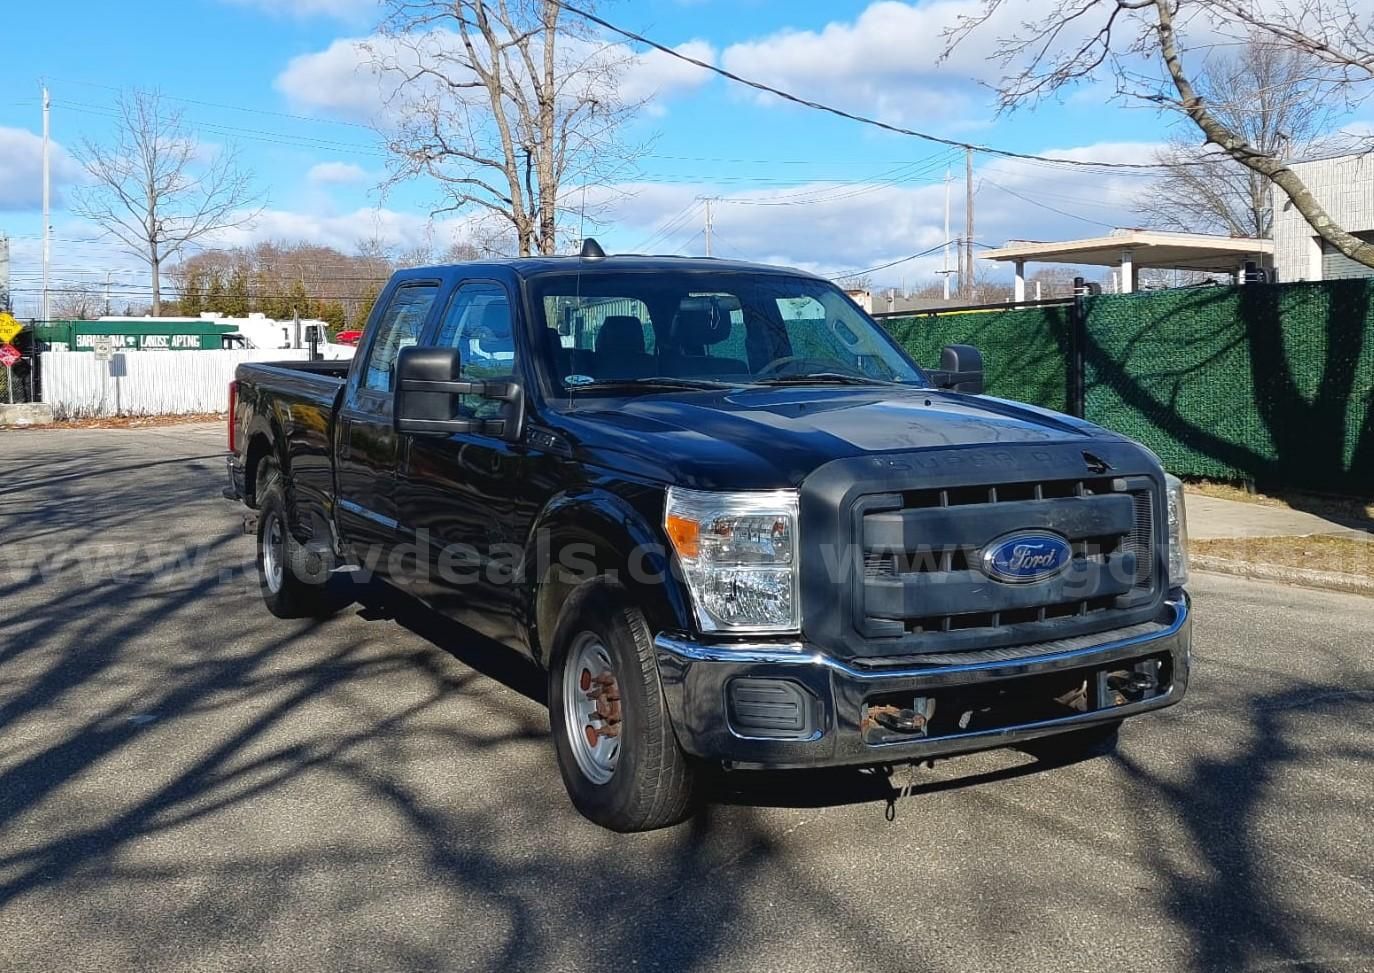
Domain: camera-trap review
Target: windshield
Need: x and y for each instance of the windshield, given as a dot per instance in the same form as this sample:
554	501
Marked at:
680	330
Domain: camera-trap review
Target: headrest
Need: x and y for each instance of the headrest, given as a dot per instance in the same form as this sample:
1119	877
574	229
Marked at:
620	334
698	327
493	321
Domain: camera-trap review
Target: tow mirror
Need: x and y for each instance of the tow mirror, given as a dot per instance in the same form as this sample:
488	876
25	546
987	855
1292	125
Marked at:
961	369
429	391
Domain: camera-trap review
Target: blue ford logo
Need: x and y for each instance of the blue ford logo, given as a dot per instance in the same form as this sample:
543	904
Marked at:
1029	556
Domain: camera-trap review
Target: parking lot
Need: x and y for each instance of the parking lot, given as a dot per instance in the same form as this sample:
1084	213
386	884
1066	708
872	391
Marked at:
187	782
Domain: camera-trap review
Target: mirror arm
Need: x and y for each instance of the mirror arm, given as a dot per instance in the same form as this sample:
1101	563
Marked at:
487	390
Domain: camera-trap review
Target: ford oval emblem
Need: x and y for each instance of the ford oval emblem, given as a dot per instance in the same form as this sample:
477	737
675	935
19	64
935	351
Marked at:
1027	556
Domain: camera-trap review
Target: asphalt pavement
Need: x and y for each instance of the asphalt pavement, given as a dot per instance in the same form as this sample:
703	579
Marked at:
187	783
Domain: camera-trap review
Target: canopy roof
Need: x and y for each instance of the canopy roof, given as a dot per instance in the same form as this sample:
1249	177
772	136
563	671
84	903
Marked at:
1149	248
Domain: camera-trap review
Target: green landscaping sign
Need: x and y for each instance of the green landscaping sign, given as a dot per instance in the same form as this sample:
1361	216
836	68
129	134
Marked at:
168	335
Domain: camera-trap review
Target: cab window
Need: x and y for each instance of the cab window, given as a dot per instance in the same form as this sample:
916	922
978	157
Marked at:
478	323
398	328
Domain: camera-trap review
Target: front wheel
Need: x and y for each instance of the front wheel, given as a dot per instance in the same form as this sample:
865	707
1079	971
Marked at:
616	749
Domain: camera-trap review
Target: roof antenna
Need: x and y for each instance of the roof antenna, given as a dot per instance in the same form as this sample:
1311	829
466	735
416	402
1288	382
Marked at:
591	250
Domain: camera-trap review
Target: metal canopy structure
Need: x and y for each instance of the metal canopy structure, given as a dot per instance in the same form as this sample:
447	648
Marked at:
1128	250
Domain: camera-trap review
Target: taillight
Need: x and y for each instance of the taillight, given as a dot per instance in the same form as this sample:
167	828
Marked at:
233	407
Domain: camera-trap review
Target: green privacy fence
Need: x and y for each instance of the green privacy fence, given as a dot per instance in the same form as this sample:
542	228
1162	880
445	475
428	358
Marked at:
1268	383
1025	352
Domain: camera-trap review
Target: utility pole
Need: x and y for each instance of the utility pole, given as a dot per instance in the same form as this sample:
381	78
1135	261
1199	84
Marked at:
4	273
107	293
708	226
968	224
949	179
47	200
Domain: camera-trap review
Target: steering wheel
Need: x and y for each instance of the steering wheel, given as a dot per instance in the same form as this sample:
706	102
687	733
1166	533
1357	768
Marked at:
779	365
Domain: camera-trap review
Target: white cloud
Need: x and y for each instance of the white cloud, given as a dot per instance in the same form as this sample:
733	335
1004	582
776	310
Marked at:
654	73
339	80
344	231
345	79
336	174
21	169
832	228
885	63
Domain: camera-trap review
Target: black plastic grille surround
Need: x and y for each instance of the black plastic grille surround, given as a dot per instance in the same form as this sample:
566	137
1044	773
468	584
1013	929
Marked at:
913	531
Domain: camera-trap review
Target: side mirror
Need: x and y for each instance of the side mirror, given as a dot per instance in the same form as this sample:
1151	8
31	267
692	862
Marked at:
961	369
428	397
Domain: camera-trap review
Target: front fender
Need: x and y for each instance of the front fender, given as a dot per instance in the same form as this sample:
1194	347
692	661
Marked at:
598	531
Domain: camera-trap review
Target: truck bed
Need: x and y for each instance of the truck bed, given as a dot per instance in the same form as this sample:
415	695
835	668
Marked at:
286	411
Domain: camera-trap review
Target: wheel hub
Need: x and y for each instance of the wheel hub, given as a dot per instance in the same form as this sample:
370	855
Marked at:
591	708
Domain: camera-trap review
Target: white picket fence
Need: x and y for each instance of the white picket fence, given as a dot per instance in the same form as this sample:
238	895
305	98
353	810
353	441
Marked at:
143	383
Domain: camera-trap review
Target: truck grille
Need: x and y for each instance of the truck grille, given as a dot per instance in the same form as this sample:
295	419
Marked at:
923	548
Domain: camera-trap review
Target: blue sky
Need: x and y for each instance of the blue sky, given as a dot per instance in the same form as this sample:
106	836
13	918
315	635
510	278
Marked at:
279	79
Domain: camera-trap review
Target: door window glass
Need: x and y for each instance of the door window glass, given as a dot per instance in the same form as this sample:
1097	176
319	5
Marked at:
398	328
478	324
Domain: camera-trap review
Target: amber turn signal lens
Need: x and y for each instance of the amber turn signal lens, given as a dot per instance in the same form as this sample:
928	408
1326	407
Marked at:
685	535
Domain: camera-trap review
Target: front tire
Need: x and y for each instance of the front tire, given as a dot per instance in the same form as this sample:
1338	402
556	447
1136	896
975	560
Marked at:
616	749
292	578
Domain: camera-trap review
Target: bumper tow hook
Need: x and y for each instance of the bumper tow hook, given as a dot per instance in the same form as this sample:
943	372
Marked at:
898	720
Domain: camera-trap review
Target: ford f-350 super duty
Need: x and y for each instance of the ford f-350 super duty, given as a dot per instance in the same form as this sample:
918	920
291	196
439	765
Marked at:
727	515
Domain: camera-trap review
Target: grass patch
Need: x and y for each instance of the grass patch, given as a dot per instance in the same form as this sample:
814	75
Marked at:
1331	553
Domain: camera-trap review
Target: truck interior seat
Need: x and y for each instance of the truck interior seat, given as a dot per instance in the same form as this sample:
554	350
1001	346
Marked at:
620	349
693	331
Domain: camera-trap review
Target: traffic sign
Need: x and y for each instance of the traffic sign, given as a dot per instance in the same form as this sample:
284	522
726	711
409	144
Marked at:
8	327
103	345
9	355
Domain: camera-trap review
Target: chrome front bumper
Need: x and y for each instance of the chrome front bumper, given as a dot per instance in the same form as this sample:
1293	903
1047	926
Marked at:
697	677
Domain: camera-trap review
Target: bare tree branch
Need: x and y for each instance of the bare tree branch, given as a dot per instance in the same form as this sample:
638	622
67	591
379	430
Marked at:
1331	42
150	191
1264	92
498	101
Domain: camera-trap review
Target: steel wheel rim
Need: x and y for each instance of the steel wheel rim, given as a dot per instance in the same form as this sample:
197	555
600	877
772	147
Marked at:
273	550
591	708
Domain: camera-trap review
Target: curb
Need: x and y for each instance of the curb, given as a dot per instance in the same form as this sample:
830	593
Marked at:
1301	577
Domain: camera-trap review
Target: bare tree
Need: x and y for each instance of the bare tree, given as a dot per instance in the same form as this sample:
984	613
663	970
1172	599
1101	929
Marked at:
502	103
151	190
78	303
855	282
1266	93
1138	41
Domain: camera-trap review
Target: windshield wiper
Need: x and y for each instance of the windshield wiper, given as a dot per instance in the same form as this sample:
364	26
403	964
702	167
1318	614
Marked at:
826	378
659	382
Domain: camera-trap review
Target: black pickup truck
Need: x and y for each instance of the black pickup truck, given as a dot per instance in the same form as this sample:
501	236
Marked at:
726	513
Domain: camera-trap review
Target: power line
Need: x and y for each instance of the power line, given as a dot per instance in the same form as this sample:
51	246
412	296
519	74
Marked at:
238	108
1047	206
851	116
891	263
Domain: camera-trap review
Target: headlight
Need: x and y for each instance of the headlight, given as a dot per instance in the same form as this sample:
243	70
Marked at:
739	555
1178	531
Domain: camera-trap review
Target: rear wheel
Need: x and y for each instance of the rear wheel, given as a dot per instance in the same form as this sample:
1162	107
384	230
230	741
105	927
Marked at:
616	749
294	579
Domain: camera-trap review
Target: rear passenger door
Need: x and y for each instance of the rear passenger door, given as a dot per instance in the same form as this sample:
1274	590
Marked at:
368	447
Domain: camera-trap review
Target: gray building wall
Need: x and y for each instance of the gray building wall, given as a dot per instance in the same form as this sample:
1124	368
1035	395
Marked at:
1345	187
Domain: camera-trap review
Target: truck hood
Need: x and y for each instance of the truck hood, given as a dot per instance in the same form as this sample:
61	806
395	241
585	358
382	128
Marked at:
768	438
